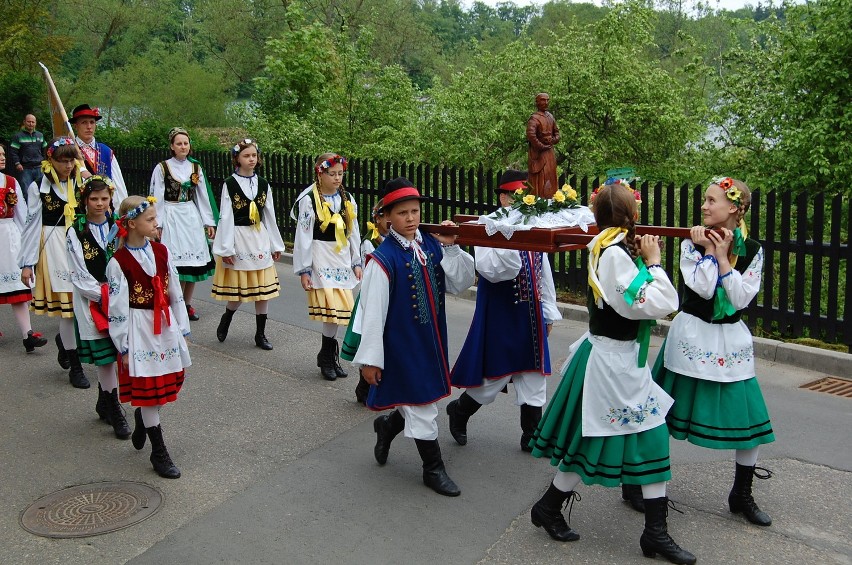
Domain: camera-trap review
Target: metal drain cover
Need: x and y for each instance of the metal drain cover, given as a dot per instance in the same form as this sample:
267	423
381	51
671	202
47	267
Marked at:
91	510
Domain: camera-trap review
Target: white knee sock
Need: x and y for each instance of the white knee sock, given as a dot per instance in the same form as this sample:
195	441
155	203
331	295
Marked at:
233	305
329	330
261	307
66	333
22	315
566	482
151	416
654	490
747	457
107	377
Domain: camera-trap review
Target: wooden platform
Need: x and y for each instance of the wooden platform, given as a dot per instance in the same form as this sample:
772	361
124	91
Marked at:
548	240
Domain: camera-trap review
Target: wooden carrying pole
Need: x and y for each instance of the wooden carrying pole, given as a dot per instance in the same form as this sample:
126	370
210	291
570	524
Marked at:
58	117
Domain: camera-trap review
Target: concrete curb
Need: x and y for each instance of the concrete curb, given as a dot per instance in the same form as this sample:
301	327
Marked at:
802	356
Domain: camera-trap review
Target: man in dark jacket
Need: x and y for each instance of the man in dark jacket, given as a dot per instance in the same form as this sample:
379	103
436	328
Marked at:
26	152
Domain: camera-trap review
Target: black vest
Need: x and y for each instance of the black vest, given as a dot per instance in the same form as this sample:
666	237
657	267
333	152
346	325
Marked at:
241	203
174	187
52	208
328	234
606	322
703	308
95	257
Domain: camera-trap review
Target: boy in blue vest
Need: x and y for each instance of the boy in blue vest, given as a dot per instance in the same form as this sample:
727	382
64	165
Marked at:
98	157
403	349
507	341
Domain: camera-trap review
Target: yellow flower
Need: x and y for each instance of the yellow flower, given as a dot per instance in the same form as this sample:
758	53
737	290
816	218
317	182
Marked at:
519	191
734	194
529	199
570	193
559	196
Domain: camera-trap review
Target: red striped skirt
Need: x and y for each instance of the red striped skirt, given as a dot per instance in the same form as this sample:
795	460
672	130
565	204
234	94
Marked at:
148	391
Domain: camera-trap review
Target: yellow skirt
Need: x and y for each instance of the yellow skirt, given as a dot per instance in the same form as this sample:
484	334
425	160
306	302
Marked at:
45	300
244	286
332	305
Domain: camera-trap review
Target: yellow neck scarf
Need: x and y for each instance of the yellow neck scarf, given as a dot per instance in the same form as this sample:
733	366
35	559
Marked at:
70	210
606	238
326	217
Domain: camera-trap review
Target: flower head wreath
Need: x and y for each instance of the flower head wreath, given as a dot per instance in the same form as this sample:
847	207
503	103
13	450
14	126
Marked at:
243	144
120	226
733	193
329	163
624	183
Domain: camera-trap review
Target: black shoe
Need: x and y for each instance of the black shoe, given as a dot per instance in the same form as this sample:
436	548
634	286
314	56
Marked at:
459	412
656	539
386	427
633	495
434	473
139	435
530	417
116	415
160	458
260	335
741	499
75	374
224	324
325	359
34	340
547	513
102	405
362	390
190	312
62	356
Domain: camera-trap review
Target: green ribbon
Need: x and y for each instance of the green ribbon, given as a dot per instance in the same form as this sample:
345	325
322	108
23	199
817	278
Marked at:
739	248
722	307
210	195
643	337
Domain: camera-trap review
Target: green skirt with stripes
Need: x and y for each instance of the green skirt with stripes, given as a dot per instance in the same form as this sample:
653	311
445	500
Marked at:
96	351
713	414
638	459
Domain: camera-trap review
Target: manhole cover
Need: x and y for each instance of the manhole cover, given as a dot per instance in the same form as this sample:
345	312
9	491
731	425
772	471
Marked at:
90	510
831	385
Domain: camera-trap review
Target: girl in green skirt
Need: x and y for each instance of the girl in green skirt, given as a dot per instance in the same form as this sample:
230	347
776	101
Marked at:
707	362
89	250
606	422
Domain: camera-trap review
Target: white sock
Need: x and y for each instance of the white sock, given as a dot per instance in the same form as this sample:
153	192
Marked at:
329	330
566	482
66	333
233	305
747	457
151	416
107	377
261	307
654	490
22	315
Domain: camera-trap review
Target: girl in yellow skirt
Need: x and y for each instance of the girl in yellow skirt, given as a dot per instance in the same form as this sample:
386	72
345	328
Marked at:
327	255
247	243
43	260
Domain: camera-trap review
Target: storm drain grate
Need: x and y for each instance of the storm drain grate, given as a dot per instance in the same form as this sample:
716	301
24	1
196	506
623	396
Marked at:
91	510
831	385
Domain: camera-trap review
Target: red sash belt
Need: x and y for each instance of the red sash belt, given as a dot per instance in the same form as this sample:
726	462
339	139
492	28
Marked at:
161	306
100	312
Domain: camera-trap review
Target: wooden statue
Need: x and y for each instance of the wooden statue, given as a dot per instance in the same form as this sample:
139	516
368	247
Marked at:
542	134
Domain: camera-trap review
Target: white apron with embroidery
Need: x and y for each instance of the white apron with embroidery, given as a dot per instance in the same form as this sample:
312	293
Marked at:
620	398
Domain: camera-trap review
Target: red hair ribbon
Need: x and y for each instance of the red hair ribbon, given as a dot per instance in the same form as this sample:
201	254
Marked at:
161	306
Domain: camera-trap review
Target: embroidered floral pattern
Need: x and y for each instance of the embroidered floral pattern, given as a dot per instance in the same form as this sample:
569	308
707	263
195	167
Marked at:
335	274
117	319
10	277
190	255
251	256
305	221
156	356
631	415
138	295
113	286
697	354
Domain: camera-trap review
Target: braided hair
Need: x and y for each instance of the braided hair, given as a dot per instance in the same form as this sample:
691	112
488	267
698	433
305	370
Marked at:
615	207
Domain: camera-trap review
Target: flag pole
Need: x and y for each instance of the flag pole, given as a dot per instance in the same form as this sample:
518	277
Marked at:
61	125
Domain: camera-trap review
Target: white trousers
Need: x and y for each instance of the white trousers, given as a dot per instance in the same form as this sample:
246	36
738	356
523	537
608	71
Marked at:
421	422
530	388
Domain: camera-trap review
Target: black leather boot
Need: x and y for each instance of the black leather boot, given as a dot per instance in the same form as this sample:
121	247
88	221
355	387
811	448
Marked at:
62	356
33	340
75	374
260	335
102	405
116	415
325	359
633	495
139	435
338	370
547	513
386	427
160	458
530	417
656	539
741	500
362	389
224	324
434	473
460	412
